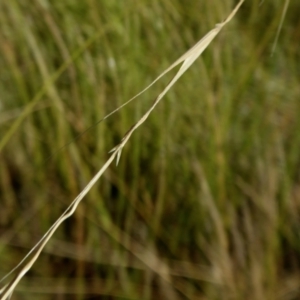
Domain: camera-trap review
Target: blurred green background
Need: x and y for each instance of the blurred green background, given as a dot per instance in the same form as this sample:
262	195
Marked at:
205	202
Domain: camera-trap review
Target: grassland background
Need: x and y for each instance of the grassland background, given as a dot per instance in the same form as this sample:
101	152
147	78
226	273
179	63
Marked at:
207	191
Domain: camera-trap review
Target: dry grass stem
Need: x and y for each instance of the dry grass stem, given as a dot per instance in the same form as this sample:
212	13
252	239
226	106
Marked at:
187	60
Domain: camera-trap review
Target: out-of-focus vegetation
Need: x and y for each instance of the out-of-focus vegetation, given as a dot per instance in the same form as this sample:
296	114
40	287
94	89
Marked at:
207	192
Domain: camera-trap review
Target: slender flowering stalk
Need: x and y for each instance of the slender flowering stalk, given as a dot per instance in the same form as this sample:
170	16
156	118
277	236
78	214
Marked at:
187	59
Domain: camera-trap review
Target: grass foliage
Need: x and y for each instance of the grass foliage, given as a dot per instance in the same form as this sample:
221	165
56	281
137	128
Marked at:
205	201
